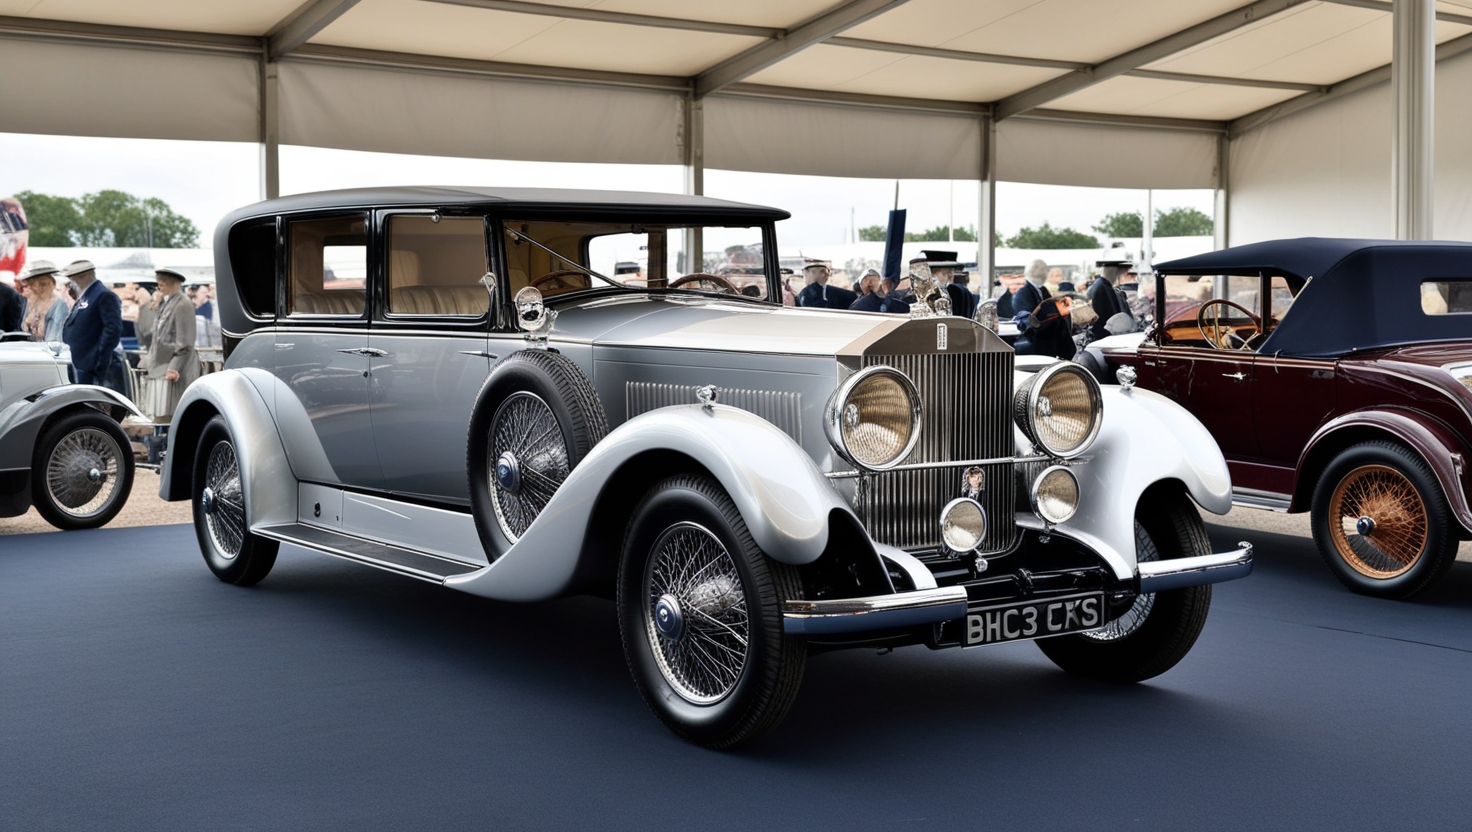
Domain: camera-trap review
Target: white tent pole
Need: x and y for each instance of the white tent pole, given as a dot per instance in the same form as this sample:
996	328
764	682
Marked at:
986	221
270	131
1148	254
693	129
1413	84
1221	222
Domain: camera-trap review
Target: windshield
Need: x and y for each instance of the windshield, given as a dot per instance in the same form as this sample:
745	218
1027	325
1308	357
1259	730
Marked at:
559	257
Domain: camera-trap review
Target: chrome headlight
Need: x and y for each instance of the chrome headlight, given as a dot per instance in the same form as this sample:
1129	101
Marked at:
962	525
873	419
1055	495
1060	409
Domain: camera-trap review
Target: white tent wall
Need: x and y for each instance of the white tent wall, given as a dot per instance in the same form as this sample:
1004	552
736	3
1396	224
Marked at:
1326	171
819	139
438	114
1102	156
59	88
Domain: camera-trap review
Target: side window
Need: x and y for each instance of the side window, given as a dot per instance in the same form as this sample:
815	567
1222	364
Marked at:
328	267
1446	297
435	265
253	266
1282	298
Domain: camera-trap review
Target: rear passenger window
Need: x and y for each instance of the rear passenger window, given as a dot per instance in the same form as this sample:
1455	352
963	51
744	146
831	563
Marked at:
328	269
436	265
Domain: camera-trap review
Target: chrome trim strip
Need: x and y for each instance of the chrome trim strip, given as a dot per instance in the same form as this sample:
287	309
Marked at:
276	533
1161	575
959	463
1254	498
876	612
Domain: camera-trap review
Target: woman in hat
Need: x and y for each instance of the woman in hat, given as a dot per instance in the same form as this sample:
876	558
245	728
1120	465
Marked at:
46	309
170	340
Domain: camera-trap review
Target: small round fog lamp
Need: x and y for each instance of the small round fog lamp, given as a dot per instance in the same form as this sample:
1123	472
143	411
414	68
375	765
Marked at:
962	524
1055	495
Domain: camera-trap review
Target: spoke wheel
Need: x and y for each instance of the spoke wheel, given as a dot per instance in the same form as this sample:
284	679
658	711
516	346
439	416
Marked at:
81	470
1381	521
527	462
696	618
225	512
1139	611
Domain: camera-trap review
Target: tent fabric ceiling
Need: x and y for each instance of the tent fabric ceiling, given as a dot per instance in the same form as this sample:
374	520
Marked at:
479	111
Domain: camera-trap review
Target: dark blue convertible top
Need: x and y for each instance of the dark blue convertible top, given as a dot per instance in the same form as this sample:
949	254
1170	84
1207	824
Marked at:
1352	295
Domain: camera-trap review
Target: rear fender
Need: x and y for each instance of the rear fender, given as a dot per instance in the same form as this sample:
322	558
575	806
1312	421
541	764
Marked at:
1145	439
265	475
21	422
1433	442
782	496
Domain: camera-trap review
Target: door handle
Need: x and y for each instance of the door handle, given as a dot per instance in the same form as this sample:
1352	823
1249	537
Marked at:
369	352
1237	376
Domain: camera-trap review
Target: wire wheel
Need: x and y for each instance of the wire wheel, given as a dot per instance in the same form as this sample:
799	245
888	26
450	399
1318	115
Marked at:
1135	616
1378	521
224	501
696	616
526	461
82	472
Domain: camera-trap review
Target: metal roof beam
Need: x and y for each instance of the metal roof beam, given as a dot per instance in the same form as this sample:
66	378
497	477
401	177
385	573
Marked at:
952	54
1365	80
625	18
1071	83
817	30
856	99
301	25
1223	80
67	31
323	53
1191	125
1384	6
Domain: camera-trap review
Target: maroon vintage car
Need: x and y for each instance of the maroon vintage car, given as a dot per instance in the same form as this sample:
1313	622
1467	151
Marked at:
1337	377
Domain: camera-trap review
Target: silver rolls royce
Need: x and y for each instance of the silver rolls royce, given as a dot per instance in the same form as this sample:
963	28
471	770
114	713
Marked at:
480	389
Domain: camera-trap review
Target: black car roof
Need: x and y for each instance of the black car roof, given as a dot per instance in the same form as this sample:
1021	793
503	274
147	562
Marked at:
1356	294
538	198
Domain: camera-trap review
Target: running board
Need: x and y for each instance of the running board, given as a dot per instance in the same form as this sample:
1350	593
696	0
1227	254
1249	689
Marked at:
395	559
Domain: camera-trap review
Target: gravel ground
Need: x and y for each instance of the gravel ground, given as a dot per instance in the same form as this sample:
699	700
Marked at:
144	508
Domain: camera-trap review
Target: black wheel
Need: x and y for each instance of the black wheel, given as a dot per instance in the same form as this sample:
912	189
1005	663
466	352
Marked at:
1382	523
220	518
81	470
535	419
1159	629
699	609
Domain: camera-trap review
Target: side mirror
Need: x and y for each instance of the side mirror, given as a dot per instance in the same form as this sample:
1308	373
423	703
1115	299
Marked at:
531	312
986	314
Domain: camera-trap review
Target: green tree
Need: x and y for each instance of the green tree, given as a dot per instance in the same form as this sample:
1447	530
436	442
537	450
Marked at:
54	220
1123	224
941	234
872	233
1182	222
1046	236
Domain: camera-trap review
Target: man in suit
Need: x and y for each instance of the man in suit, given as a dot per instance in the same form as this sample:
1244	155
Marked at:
818	293
94	326
1105	295
943	267
897	296
872	298
12	309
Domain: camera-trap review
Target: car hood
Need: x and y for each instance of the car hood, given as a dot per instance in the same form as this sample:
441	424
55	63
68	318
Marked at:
703	324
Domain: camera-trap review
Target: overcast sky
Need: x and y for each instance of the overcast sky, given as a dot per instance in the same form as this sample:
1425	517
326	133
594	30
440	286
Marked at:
205	180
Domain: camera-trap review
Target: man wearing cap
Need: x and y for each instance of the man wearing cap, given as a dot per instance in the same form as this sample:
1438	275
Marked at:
94	325
943	267
1104	294
873	296
170	339
818	293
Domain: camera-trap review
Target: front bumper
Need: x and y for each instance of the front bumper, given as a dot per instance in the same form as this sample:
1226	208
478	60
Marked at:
948	603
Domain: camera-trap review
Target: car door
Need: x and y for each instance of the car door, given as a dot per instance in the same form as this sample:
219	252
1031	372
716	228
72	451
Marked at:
321	353
1302	392
428	345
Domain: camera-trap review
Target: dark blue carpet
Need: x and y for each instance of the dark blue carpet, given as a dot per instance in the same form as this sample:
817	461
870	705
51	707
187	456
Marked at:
138	692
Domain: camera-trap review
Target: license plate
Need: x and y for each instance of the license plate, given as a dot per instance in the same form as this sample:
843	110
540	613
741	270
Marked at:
1035	619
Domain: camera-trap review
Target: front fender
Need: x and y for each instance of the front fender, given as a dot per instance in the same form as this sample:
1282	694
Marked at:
1145	439
21	422
783	497
265	475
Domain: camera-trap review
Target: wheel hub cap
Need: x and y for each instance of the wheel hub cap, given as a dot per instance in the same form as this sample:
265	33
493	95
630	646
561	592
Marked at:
1364	526
94	476
508	472
668	618
207	501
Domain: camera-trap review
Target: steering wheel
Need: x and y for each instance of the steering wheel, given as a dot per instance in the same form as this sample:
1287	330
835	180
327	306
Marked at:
560	277
1220	333
721	284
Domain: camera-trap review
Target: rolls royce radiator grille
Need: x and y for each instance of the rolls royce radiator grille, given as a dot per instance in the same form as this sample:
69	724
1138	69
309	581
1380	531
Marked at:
967	415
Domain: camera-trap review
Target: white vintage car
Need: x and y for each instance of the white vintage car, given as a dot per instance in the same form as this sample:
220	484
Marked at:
446	384
61	445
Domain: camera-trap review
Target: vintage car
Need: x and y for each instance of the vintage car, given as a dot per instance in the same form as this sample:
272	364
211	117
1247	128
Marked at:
1336	376
61	445
748	482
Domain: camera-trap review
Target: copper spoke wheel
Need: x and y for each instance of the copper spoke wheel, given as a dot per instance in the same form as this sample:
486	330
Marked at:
1378	521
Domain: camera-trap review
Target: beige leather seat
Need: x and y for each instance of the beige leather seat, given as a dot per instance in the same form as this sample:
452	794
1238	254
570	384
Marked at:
439	300
336	302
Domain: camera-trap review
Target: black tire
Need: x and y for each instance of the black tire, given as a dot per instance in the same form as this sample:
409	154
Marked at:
1160	629
1410	543
710	709
221	522
81	470
530	384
